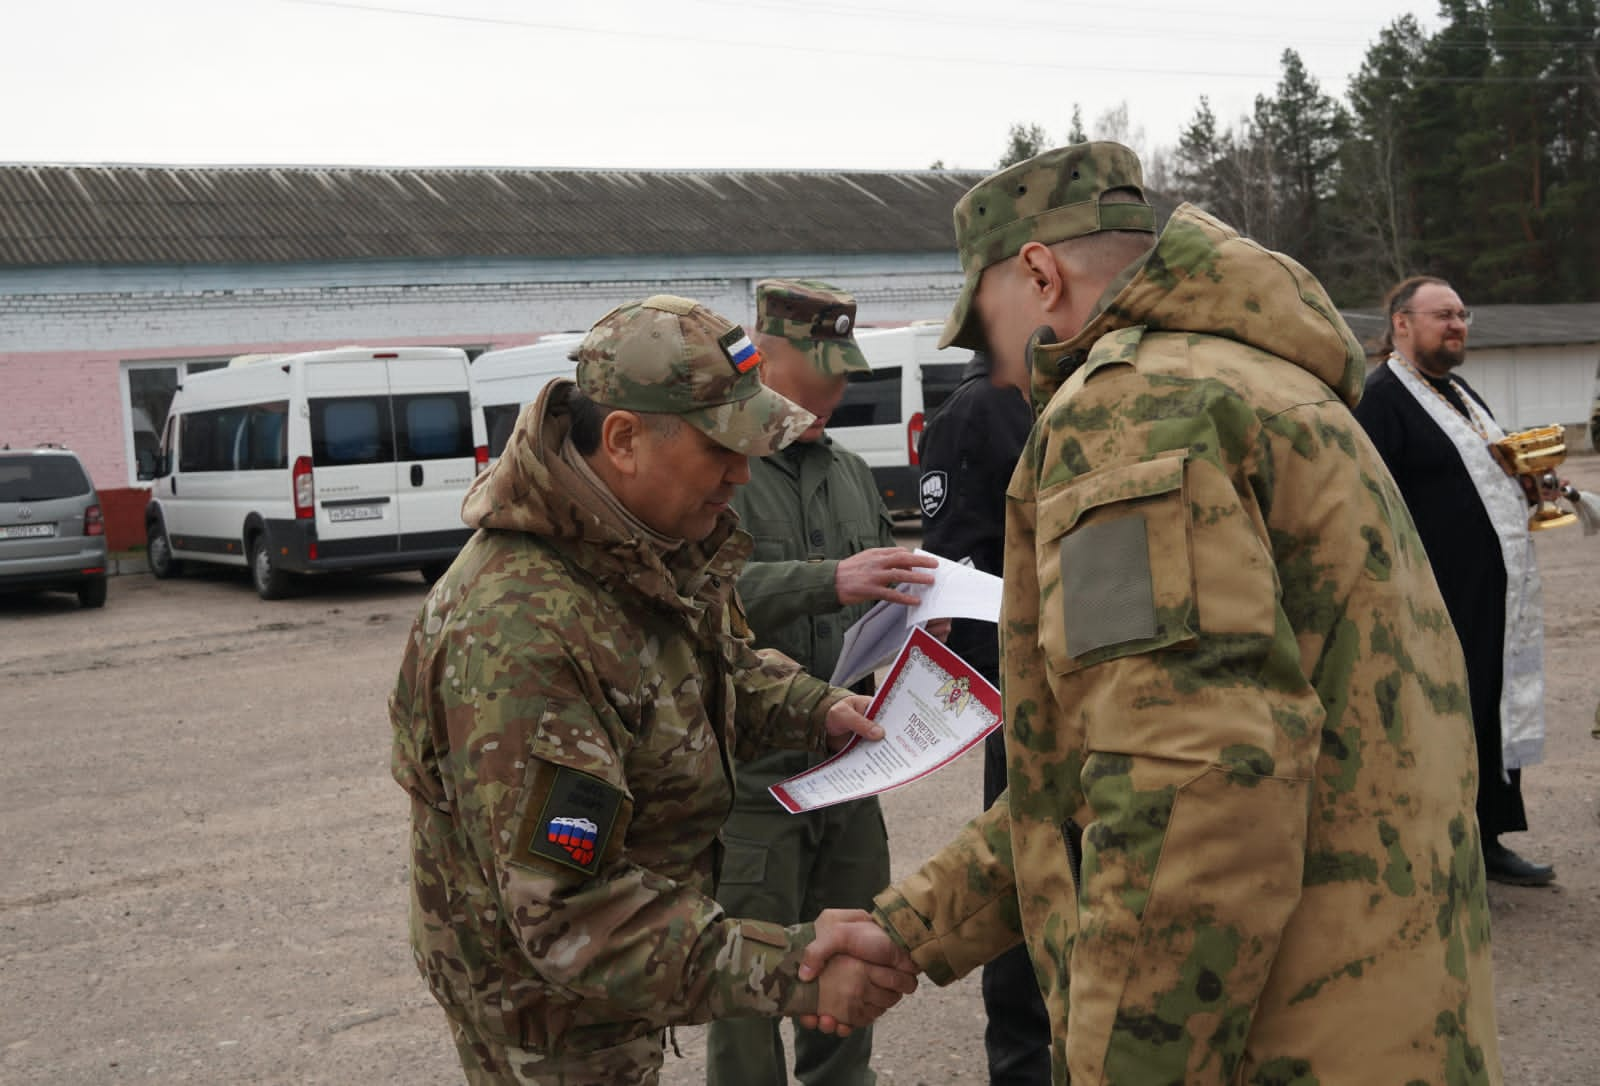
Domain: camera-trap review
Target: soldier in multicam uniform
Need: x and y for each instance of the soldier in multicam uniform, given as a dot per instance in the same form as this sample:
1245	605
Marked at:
1225	658
572	699
824	550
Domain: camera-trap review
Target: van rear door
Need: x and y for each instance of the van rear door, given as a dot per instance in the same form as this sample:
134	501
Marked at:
437	435
352	456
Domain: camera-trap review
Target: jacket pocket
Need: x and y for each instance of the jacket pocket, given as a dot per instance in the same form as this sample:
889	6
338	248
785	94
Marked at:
744	863
1115	564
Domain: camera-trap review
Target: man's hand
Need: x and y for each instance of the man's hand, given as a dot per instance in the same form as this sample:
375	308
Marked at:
872	575
860	970
939	628
847	719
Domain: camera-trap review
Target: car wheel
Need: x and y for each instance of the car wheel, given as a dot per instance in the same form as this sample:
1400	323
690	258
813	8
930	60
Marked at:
271	582
433	571
92	593
158	552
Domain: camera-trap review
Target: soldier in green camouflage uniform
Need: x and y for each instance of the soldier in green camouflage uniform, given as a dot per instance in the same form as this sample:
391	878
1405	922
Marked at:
572	699
1225	658
824	549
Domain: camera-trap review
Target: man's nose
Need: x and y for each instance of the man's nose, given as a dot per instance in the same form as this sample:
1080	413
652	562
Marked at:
738	472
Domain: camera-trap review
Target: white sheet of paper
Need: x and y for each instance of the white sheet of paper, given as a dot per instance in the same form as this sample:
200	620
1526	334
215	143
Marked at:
933	708
957	591
870	643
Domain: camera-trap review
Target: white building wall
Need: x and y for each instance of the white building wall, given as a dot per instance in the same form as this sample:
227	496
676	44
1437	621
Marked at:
489	313
1535	386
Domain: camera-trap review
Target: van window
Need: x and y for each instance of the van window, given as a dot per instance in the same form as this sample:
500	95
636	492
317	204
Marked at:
500	419
265	444
41	478
351	430
433	426
939	380
870	399
208	440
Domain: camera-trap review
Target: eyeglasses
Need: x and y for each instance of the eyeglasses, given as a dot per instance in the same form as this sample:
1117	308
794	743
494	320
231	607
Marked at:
1445	316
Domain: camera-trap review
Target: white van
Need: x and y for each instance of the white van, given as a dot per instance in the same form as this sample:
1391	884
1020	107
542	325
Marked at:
355	458
882	414
510	379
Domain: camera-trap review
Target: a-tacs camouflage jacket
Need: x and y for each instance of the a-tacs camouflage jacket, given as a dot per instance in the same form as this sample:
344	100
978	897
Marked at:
566	720
1227	661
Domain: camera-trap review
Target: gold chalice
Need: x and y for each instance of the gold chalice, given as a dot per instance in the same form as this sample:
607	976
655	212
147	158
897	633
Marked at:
1535	454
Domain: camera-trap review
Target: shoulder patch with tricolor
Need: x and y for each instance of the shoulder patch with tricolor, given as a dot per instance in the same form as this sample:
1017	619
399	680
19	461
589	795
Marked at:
570	824
740	351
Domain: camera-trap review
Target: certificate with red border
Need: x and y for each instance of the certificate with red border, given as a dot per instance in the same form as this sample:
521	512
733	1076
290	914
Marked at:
933	708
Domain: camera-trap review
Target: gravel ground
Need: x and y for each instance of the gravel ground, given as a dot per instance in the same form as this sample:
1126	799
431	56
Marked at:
202	856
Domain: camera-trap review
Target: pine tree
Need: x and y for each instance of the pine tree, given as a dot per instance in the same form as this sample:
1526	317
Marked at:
1023	142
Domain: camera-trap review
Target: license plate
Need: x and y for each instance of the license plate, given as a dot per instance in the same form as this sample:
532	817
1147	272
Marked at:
27	531
341	513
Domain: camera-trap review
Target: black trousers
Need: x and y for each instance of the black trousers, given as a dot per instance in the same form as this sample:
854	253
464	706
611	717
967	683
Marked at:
1017	1037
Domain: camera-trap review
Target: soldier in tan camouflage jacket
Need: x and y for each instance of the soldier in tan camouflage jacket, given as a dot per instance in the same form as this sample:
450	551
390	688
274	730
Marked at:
1225	659
571	701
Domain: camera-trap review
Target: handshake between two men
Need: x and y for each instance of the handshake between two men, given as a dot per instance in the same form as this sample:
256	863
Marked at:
859	970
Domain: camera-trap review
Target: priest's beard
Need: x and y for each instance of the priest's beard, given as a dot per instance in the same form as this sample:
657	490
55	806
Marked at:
1440	359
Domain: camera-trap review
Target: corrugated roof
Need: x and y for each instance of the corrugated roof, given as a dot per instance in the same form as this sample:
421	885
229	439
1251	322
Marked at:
65	215
1503	325
62	215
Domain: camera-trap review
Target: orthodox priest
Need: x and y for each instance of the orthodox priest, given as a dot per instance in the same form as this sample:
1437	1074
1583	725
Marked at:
1434	433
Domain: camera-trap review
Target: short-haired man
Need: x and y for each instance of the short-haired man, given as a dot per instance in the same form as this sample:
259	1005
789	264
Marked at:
572	699
824	551
1434	432
1225	659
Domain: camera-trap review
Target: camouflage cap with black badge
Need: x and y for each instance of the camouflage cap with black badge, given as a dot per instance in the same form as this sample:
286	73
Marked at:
673	356
817	318
1051	197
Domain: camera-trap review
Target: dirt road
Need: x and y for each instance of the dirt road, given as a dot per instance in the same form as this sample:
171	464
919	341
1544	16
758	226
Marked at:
202	856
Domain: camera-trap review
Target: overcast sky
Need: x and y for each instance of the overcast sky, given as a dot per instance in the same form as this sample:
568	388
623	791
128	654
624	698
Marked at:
812	84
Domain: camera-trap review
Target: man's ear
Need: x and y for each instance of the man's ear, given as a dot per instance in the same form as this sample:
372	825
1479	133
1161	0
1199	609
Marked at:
1043	275
619	441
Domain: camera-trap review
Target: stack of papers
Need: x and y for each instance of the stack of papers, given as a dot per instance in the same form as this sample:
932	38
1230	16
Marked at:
957	591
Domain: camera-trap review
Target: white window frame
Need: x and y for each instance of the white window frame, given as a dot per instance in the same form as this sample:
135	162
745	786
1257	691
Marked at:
125	388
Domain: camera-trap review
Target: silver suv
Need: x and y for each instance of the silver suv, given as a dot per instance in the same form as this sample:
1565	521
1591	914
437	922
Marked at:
52	533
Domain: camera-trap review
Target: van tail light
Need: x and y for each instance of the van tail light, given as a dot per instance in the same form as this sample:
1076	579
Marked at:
94	522
304	493
913	439
480	457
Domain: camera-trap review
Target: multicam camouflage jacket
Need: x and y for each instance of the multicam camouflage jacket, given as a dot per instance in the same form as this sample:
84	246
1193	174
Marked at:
566	719
1226	659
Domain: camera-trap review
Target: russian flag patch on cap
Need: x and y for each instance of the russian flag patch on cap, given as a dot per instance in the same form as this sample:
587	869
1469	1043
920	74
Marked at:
740	351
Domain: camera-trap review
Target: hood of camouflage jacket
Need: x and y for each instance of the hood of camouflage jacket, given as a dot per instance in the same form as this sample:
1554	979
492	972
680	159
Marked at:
531	489
1203	277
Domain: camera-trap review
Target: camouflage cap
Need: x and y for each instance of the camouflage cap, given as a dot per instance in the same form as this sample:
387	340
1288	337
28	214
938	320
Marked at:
1049	198
817	318
672	356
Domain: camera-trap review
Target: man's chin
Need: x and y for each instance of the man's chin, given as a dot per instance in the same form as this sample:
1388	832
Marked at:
1444	358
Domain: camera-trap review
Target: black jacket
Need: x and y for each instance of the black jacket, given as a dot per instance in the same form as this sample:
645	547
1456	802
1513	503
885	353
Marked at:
968	452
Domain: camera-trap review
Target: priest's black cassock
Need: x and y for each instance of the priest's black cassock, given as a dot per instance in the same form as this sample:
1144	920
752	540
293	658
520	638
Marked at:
1466	558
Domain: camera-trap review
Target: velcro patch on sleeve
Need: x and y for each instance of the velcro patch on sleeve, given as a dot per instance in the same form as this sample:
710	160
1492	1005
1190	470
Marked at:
764	933
568	821
1105	573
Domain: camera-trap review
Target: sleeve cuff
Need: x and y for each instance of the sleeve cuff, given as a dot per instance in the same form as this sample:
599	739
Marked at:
822	595
766	957
894	914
